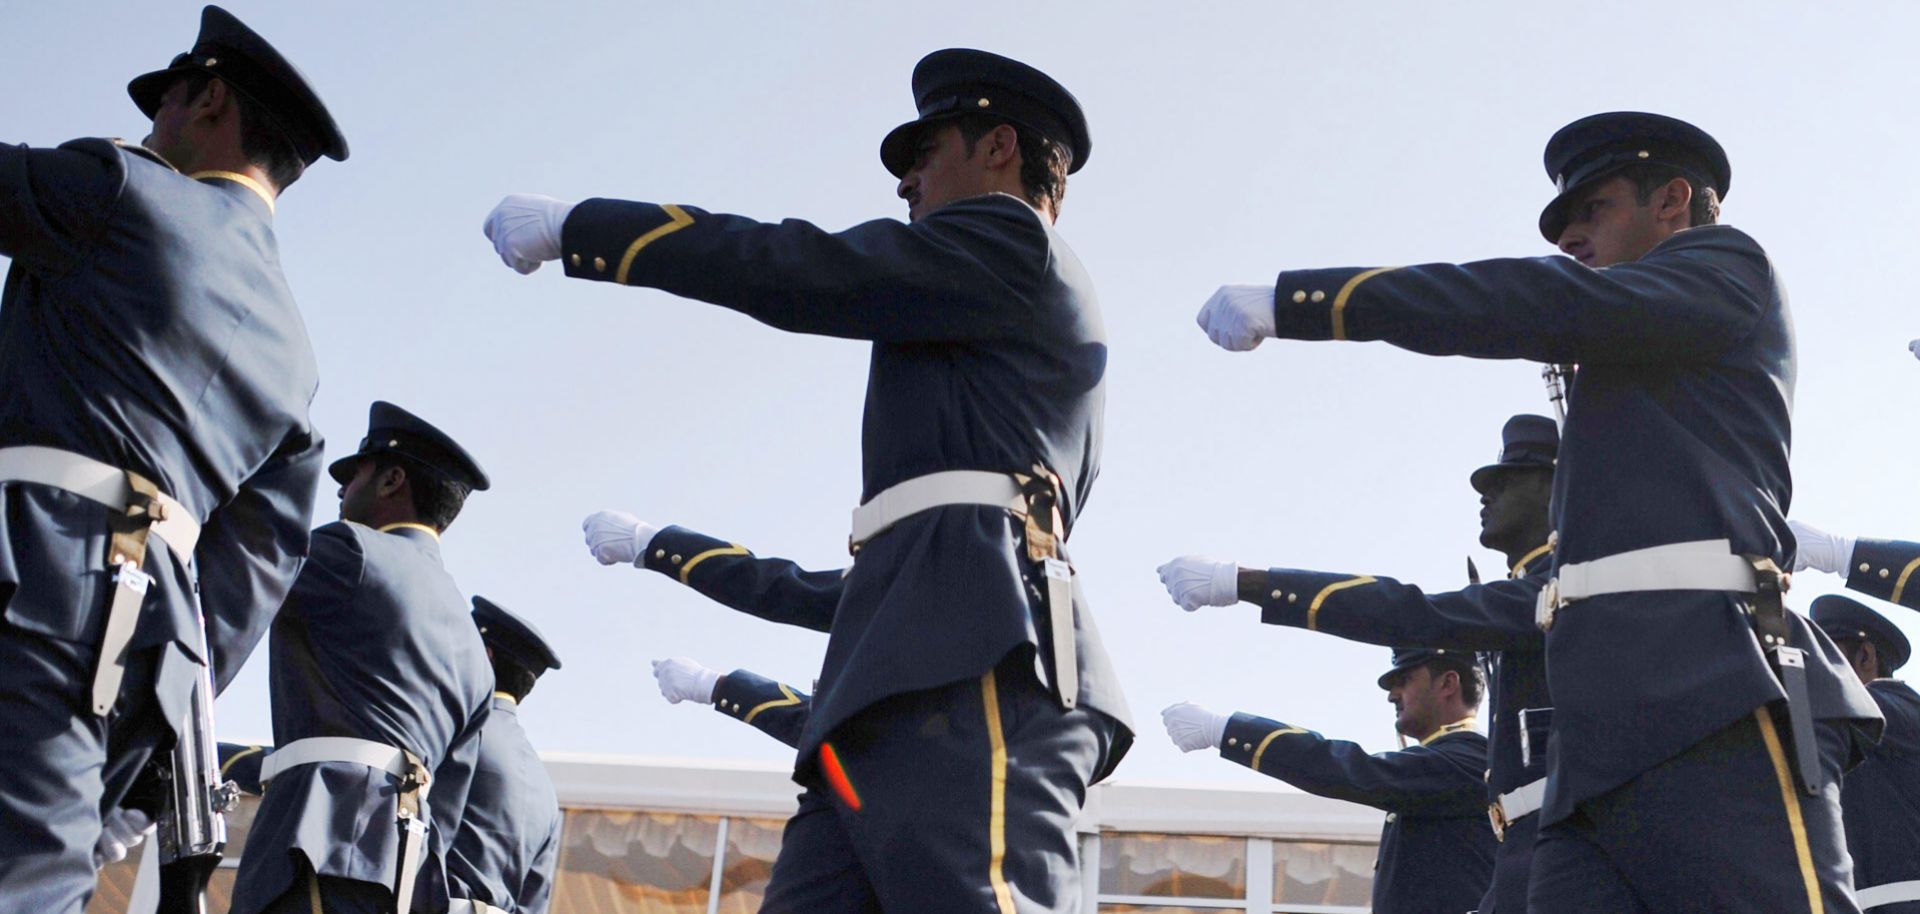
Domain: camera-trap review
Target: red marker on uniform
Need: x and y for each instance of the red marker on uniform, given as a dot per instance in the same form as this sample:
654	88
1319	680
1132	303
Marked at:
837	777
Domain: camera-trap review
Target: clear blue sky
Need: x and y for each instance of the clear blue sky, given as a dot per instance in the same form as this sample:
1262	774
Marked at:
1230	141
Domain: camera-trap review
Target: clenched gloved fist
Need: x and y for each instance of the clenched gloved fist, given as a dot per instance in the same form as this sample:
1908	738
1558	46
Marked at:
617	537
1820	550
1194	581
525	230
1237	318
1192	727
120	832
683	679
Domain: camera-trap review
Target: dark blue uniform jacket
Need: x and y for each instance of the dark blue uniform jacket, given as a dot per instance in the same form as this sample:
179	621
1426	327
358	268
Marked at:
509	839
375	642
1677	430
146	324
775	708
1496	617
1436	851
1880	799
989	353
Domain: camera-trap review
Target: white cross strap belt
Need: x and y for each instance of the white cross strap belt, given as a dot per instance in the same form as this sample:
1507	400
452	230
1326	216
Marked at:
1888	894
469	906
921	493
316	749
1697	565
98	482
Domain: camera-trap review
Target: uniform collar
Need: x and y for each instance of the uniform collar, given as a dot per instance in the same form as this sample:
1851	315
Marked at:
504	702
1522	567
237	179
1464	723
410	525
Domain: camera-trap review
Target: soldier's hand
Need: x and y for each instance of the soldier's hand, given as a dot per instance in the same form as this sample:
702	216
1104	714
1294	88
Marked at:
525	230
1192	727
1820	550
1237	318
1914	347
1194	581
615	537
120	832
683	679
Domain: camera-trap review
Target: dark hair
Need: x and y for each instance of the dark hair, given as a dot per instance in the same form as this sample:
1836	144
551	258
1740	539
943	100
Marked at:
1469	670
510	677
1043	162
437	499
261	139
1648	179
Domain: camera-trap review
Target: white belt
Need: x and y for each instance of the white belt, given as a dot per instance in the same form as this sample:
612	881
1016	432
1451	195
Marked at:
1888	894
314	750
1514	805
921	493
1698	565
98	482
469	906
1523	800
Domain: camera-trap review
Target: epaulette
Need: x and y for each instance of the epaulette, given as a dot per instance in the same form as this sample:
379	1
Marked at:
142	152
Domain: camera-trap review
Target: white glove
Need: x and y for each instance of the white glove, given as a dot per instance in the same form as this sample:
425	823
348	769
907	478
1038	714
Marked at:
617	537
525	230
120	833
1194	581
1820	550
1237	318
1192	727
683	679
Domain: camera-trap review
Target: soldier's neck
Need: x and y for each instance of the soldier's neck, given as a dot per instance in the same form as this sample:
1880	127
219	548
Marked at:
195	162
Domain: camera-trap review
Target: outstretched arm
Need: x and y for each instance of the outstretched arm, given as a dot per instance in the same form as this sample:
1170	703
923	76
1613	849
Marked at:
55	202
773	589
1695	295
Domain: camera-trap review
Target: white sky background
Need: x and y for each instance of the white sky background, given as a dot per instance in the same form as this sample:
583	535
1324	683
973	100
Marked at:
1229	142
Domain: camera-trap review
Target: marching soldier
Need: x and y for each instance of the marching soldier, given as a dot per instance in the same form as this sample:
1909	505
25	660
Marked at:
1496	617
981	443
1882	795
1436	851
156	458
502	861
380	688
775	708
1680	681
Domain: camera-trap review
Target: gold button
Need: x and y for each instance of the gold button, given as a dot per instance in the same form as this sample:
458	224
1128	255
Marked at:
676	560
659	553
1232	742
983	103
1883	572
576	260
211	61
1319	296
1293	598
1276	595
1299	295
1644	153
1864	566
600	264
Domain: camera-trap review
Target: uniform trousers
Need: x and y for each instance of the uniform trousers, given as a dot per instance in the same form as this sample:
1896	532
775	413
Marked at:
961	798
1723	826
65	767
1512	862
312	894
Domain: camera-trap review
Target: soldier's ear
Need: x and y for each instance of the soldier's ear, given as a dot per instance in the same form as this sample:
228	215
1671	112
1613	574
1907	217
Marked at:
213	101
1674	200
1002	146
390	481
